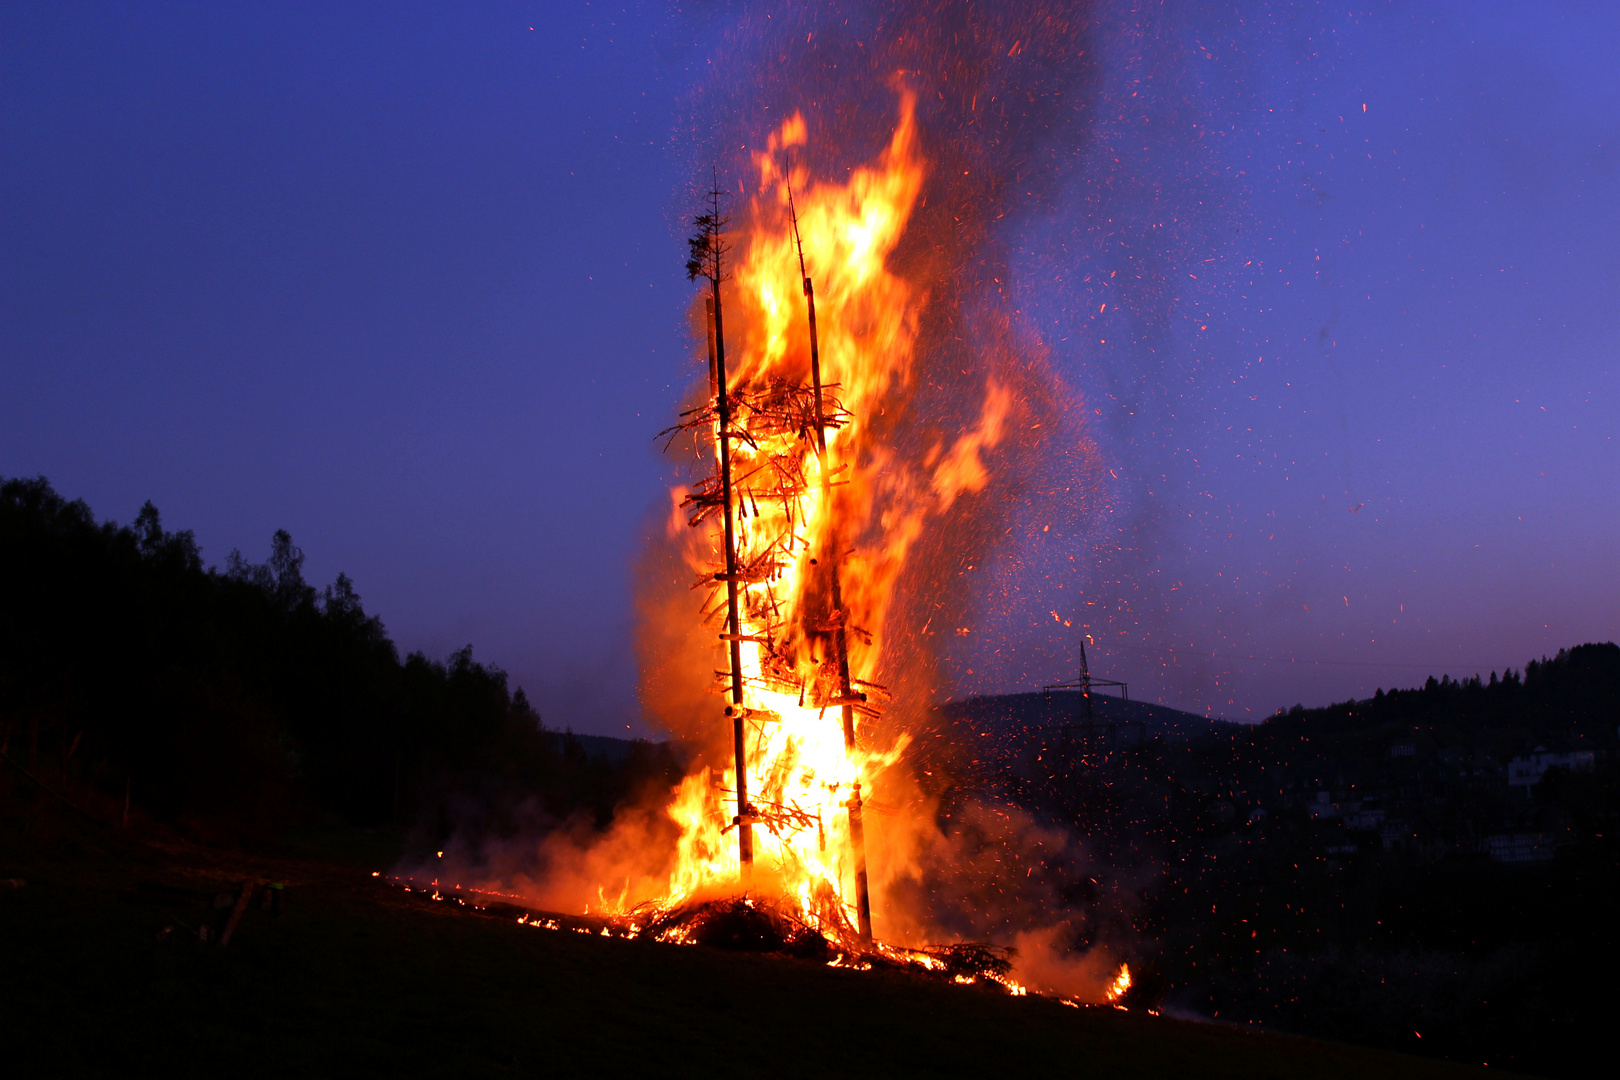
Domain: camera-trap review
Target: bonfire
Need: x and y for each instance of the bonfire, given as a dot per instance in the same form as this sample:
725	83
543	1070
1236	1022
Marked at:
797	535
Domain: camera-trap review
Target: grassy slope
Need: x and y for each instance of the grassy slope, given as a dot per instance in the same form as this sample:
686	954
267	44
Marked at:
359	979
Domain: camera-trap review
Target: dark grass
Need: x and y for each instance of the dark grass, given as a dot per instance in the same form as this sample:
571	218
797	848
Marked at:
359	979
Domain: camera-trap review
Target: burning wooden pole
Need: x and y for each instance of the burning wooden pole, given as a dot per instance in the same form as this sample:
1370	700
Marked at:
707	252
840	639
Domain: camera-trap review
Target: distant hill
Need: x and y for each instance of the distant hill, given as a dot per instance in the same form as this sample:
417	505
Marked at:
611	749
1430	869
985	742
1037	714
1004	728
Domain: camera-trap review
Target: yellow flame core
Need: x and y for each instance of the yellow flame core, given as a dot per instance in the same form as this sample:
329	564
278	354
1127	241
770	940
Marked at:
853	507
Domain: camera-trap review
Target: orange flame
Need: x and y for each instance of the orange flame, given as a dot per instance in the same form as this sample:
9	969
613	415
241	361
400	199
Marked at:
1121	984
856	505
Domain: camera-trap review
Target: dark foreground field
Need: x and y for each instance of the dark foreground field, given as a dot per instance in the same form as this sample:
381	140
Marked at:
359	979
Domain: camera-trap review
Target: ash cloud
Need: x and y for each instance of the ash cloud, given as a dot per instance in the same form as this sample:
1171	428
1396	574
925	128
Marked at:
999	132
992	872
1074	206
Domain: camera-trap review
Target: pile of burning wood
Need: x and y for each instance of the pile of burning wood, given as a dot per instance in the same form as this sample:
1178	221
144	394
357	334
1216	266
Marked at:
749	924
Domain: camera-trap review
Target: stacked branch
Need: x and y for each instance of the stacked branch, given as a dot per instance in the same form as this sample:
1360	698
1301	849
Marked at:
776	430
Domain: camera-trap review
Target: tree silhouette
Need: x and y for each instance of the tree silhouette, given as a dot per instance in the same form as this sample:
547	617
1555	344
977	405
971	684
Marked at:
237	699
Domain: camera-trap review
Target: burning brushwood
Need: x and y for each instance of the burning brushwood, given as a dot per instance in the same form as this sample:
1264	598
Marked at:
798	527
781	572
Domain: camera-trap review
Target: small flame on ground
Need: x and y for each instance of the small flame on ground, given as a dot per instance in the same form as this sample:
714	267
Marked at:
1121	984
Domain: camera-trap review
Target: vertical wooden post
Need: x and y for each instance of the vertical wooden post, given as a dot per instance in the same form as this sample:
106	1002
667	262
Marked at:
857	826
714	376
242	899
708	253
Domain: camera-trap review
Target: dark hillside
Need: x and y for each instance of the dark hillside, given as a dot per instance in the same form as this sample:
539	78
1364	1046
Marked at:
358	979
1430	869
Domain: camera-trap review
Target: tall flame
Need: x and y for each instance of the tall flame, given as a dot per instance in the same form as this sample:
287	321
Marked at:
804	514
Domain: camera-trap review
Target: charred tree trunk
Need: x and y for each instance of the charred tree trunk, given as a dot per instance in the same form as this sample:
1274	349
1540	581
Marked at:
707	255
739	734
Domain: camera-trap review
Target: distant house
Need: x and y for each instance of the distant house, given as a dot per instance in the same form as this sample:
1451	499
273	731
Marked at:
1520	847
1402	749
1364	818
1526	772
1356	813
1324	806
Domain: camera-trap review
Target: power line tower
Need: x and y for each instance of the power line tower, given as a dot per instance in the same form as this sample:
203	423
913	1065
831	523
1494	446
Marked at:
1085	736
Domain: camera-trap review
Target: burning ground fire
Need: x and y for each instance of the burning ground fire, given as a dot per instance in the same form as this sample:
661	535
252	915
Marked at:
966	964
796	536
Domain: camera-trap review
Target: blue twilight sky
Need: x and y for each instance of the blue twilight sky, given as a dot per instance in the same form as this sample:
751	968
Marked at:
405	280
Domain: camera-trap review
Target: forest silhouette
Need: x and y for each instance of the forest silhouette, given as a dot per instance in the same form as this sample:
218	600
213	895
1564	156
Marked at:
230	702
